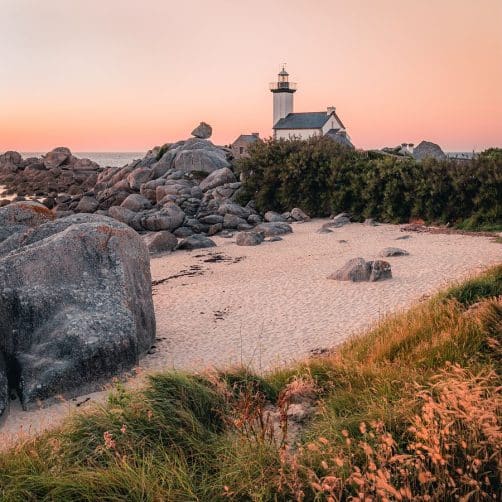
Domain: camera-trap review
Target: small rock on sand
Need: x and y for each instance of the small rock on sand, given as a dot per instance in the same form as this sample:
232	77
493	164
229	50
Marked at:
196	242
249	238
386	252
160	242
358	270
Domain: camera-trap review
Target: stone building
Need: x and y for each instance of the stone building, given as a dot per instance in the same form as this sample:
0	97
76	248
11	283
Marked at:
240	145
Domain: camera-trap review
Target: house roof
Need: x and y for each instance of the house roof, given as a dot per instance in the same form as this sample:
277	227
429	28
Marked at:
309	120
340	137
247	138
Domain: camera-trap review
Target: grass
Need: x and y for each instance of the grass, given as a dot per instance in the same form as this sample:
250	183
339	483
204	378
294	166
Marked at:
408	411
472	224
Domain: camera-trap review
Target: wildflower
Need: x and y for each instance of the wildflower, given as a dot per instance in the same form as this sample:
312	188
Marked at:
123	429
109	441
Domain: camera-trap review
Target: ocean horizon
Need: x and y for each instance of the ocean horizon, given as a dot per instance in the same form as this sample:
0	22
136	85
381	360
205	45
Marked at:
118	159
104	159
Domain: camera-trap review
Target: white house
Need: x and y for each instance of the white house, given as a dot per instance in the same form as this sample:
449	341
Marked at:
288	124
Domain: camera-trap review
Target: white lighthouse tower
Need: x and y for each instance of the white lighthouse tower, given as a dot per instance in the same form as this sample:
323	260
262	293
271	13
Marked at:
283	91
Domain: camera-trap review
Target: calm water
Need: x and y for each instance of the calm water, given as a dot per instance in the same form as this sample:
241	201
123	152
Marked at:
104	159
117	159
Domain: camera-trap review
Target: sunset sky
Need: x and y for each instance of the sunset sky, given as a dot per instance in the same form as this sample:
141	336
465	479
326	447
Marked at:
125	75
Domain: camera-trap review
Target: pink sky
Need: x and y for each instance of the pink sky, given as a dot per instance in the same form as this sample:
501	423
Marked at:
125	75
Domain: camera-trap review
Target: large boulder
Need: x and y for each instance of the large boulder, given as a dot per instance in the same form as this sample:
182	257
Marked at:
217	178
160	242
274	228
202	131
212	219
196	242
122	214
11	157
249	238
427	149
169	217
298	215
204	160
272	216
84	165
358	270
75	304
19	216
112	197
87	204
235	209
57	157
136	202
232	221
340	220
138	177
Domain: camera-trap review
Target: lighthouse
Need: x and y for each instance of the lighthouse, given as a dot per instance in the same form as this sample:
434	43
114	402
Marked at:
283	91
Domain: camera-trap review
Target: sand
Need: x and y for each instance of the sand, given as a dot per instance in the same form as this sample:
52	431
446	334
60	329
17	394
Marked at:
264	306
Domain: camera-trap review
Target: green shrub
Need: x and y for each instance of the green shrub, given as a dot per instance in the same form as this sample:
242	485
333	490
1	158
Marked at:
323	178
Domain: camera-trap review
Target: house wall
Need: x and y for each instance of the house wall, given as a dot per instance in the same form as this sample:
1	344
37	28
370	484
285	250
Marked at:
332	123
240	148
296	133
283	105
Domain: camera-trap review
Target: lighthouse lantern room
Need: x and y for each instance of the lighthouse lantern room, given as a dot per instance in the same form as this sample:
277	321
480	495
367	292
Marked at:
283	91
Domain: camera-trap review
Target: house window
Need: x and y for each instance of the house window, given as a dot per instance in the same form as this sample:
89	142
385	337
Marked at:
241	150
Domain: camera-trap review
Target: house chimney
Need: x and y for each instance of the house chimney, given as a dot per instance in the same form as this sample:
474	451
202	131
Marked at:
331	109
256	134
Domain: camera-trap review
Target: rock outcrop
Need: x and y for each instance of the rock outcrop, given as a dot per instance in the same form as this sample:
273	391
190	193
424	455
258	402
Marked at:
186	188
56	172
427	149
73	292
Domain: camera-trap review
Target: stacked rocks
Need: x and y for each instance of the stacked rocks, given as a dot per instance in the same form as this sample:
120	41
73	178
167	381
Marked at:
185	188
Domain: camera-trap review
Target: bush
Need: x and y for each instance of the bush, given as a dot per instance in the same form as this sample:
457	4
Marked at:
323	178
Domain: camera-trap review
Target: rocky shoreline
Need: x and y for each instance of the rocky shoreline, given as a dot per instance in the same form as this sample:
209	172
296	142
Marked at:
177	196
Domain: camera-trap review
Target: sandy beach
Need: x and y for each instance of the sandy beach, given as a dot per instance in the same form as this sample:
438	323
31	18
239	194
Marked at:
267	305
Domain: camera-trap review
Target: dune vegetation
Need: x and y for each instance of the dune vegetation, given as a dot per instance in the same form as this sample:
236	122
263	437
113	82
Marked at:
323	178
407	411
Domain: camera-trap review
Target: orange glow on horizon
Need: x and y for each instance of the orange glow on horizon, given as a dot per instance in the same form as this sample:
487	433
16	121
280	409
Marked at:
125	76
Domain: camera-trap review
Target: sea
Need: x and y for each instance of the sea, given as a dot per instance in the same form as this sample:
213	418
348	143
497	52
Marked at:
119	159
104	159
